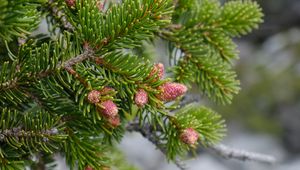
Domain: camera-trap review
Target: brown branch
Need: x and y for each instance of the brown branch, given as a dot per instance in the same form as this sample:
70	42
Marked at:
88	53
67	65
229	153
18	132
147	131
232	153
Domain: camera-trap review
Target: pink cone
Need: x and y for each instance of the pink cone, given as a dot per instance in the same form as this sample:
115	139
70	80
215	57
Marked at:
108	109
170	91
189	136
93	96
141	98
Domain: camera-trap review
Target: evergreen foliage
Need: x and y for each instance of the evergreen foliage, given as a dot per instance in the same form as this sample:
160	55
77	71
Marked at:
96	45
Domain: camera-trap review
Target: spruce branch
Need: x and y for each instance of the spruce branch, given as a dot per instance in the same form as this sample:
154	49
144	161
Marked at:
202	34
240	17
18	133
199	63
67	65
31	130
138	21
147	132
8	80
232	153
221	149
18	18
71	94
89	151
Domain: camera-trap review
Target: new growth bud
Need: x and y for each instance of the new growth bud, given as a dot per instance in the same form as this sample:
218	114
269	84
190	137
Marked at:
88	168
158	69
86	45
141	98
114	121
100	5
94	96
170	91
189	136
108	109
70	3
107	90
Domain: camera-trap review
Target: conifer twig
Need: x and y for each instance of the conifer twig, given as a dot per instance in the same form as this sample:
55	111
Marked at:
232	153
146	132
18	132
88	53
221	149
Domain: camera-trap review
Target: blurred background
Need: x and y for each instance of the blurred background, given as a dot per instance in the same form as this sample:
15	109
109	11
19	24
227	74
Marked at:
265	116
